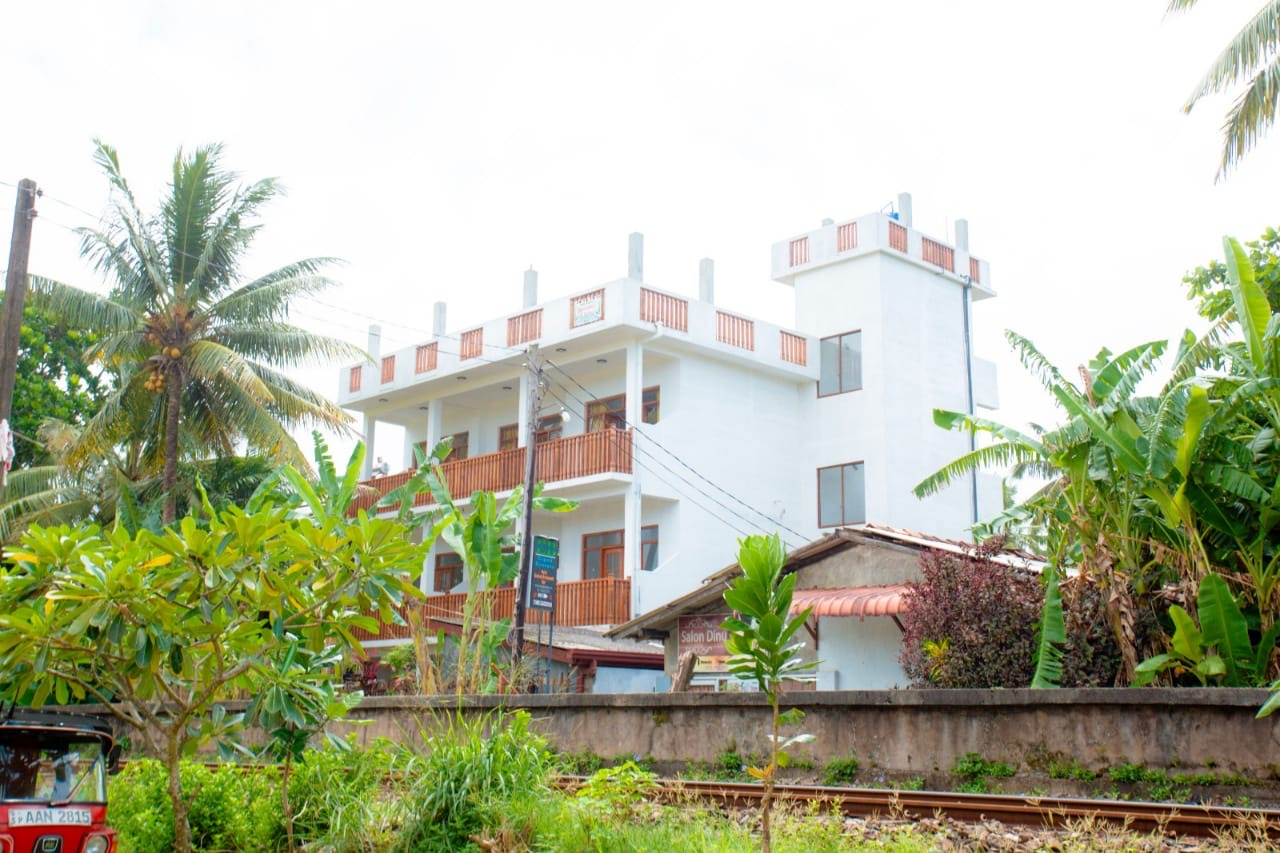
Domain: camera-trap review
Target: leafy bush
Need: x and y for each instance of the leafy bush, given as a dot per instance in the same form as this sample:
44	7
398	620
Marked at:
470	768
841	771
334	796
973	766
582	763
967	624
230	809
979	614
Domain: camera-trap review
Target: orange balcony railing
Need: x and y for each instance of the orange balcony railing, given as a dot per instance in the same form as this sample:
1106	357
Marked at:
601	452
603	601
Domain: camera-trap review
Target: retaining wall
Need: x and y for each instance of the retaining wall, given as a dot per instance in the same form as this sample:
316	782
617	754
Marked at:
907	731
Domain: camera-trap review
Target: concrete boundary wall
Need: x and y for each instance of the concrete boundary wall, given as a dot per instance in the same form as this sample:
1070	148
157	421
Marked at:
908	731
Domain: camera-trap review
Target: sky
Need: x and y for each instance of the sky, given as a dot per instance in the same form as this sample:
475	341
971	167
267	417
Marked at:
442	149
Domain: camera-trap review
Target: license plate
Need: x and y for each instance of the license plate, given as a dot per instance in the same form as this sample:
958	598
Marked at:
50	817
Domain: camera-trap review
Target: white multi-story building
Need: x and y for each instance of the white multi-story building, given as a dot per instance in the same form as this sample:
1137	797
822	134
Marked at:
681	425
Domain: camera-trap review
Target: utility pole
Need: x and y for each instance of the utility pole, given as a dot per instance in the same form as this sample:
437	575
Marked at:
530	472
15	295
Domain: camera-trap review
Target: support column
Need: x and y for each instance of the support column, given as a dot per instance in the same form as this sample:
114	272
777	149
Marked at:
631	551
435	417
369	427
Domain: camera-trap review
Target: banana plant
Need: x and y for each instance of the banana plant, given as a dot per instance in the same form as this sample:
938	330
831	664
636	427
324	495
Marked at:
1216	650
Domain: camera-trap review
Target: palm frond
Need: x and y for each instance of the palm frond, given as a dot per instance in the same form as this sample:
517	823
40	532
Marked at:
1000	455
209	361
288	346
80	308
1250	116
1036	364
1113	384
1249	48
268	297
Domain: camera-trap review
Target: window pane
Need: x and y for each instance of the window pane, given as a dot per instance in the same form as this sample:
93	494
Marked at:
830	510
855	488
829	378
851	361
591	567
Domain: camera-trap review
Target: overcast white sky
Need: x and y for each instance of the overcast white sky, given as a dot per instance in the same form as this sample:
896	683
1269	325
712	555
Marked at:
441	149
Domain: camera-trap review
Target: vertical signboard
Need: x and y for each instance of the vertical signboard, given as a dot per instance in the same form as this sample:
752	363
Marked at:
703	636
542	583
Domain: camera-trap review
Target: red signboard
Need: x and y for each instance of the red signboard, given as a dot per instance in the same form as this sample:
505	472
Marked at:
703	636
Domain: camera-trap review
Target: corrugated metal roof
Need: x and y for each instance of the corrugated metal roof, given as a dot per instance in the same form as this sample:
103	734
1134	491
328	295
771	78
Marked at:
860	601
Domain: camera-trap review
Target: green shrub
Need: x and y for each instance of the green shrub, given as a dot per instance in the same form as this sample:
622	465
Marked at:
841	771
470	768
1134	773
333	794
1071	769
972	767
230	809
582	763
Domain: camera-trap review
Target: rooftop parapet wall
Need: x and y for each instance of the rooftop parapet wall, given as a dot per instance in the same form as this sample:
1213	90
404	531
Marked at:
878	232
619	309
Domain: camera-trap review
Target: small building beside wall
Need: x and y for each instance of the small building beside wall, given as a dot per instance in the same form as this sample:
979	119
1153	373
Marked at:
854	579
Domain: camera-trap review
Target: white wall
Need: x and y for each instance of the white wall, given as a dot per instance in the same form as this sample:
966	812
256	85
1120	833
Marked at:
864	653
616	679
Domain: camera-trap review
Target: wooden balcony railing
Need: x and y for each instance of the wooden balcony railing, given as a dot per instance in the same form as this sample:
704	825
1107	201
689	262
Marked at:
603	601
388	368
353	384
938	254
847	237
975	270
600	452
425	357
670	311
896	237
794	348
524	327
735	331
799	251
471	344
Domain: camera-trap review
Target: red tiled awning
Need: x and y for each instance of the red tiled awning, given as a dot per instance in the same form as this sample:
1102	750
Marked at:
860	601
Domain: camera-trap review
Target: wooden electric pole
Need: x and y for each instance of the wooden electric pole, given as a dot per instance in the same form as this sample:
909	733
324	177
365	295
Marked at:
15	294
530	472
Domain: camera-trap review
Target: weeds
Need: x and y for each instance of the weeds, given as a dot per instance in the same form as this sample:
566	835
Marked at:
841	771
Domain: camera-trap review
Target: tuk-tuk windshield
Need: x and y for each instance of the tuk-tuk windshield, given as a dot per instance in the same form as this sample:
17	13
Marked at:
52	767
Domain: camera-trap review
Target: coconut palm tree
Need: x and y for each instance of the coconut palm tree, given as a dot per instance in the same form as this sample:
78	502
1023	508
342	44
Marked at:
197	353
1253	55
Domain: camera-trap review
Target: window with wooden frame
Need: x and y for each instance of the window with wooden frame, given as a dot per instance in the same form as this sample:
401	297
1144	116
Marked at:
508	437
448	572
840	357
461	446
842	495
602	552
550	427
649	405
607	413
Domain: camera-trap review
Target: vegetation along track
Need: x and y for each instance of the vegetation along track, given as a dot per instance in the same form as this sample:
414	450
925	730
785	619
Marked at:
1177	818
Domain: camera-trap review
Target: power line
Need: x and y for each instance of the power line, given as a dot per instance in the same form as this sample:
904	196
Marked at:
676	456
641	451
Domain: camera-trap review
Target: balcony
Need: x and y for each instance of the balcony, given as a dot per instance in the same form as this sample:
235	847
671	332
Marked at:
603	601
602	452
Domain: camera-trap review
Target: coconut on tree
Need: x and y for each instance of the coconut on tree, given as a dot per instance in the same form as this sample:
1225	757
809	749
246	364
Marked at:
197	352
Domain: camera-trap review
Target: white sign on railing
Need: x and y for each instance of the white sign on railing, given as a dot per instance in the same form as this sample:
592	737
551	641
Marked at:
588	309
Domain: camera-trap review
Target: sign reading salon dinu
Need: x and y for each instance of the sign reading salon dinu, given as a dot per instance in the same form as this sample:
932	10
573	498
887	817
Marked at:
703	636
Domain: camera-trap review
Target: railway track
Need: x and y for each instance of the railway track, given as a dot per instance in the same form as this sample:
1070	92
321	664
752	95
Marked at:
1196	820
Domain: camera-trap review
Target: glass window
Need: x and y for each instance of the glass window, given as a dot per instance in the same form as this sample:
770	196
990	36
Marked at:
51	767
508	436
841	364
649	405
549	428
448	572
649	547
607	413
842	495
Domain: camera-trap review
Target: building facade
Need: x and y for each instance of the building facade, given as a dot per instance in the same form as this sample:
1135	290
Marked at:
681	425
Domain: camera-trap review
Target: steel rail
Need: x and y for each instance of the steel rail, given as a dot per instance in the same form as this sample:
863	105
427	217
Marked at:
1053	812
